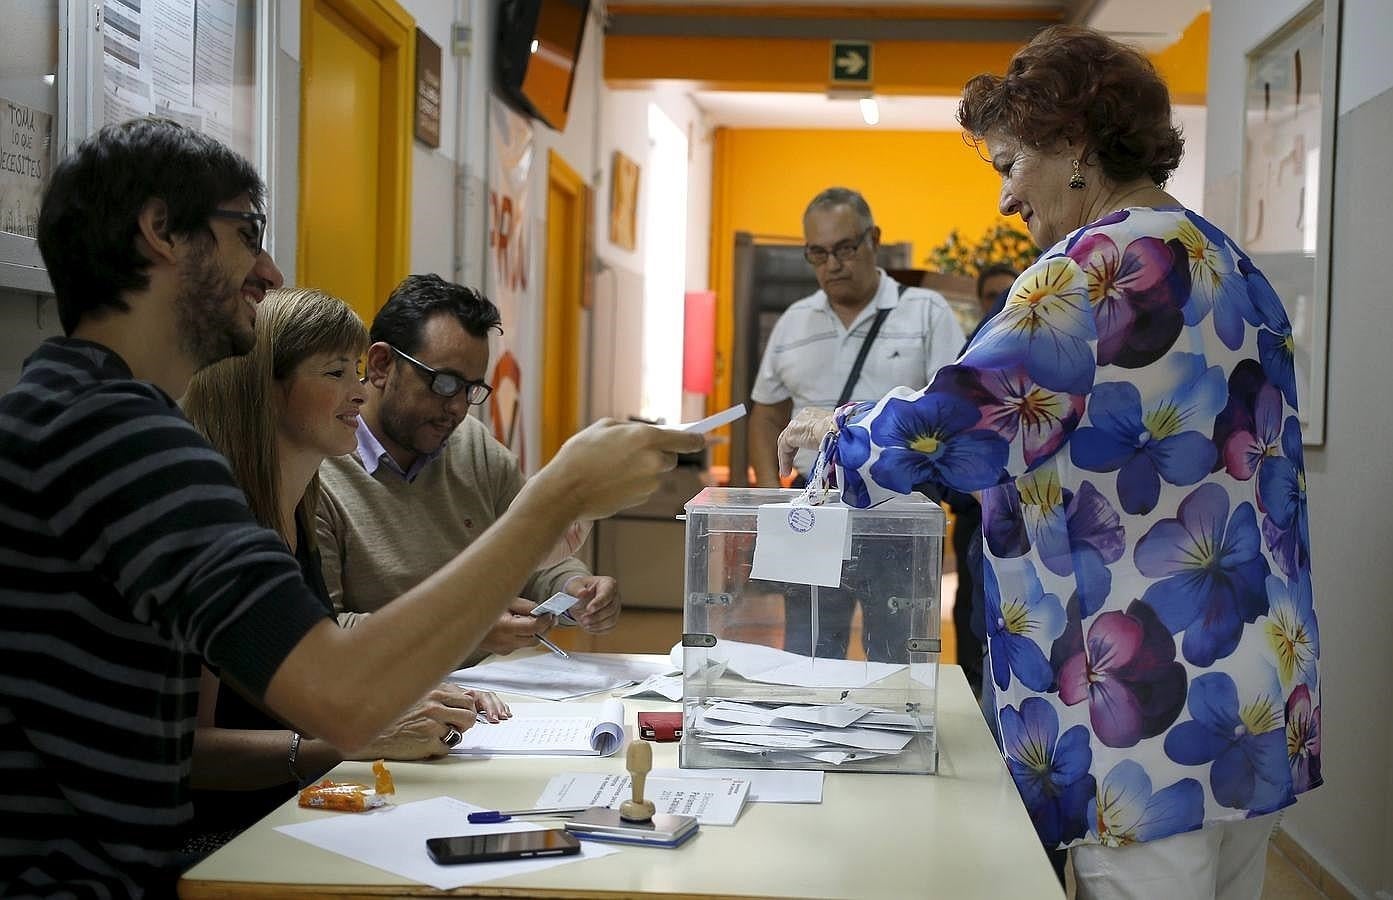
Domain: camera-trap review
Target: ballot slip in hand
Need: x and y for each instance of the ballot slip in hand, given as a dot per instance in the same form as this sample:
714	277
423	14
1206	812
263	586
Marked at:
555	605
711	423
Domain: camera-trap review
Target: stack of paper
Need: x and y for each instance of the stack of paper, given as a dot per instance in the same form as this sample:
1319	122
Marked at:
551	677
833	733
770	665
548	729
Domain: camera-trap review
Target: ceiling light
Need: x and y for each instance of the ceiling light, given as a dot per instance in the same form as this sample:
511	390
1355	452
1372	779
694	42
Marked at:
870	112
534	45
49	78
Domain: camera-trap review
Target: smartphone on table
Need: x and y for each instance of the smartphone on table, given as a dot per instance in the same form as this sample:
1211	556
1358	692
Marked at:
449	851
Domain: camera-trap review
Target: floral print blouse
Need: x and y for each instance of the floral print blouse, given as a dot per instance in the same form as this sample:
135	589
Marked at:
1130	419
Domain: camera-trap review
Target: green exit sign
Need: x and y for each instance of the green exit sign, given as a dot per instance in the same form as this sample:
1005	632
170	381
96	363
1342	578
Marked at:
851	62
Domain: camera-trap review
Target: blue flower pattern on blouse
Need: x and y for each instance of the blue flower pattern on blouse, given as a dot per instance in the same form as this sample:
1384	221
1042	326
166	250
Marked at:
1130	420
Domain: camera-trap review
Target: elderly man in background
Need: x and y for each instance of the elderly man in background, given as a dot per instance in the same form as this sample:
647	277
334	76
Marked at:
857	337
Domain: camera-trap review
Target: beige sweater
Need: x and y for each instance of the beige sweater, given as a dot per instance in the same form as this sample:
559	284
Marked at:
380	536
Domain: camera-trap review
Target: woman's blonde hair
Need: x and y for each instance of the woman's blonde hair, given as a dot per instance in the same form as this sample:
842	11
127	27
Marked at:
234	404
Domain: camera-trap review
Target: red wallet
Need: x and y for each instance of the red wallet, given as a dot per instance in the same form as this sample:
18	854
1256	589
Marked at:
660	726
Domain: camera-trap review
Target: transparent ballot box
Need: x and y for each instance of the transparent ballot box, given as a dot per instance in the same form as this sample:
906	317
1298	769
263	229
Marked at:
781	675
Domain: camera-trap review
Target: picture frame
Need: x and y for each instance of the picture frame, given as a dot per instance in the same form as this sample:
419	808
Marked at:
1286	185
623	202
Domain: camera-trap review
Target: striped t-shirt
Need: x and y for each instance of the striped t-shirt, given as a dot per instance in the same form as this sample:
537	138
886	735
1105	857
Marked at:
127	556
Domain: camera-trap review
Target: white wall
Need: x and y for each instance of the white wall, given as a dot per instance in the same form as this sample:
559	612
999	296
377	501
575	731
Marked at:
1347	824
599	122
433	238
1186	183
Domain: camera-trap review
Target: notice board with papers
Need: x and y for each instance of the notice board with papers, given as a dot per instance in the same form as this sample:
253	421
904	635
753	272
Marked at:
68	67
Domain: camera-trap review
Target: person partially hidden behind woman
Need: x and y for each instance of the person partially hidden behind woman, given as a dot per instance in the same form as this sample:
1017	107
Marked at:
276	414
1130	419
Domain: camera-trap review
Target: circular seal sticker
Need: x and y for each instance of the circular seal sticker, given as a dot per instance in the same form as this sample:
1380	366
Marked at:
801	519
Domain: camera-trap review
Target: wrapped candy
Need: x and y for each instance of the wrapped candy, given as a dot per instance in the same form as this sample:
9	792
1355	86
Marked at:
344	796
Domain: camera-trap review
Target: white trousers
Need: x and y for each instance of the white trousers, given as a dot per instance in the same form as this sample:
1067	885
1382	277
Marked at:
1221	862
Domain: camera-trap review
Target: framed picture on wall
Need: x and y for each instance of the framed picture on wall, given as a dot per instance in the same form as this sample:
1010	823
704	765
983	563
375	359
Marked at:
623	202
1286	185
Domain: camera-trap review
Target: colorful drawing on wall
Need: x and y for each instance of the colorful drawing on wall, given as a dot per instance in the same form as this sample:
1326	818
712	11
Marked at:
1284	207
623	202
509	273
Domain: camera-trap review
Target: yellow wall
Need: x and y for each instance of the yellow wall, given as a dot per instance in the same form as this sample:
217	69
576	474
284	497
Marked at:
1185	64
920	186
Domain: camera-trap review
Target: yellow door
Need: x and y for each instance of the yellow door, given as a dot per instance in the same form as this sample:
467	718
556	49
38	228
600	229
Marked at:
354	149
567	224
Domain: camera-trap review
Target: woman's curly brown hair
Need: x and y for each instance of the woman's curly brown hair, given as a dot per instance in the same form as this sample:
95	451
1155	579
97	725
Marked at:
1077	84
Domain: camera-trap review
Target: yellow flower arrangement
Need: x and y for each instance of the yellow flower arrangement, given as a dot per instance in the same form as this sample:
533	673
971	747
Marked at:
1000	243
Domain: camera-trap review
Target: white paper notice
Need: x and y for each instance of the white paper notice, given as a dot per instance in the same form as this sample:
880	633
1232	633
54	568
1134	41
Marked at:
171	51
214	49
800	544
394	839
126	90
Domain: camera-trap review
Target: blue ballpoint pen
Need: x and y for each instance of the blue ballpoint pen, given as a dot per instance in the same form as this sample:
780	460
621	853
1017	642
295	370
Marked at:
553	648
491	816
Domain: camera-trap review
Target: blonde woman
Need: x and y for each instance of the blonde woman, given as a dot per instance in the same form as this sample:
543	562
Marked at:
276	414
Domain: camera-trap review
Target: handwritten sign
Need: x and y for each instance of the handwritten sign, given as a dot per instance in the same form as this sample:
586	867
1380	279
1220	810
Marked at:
26	154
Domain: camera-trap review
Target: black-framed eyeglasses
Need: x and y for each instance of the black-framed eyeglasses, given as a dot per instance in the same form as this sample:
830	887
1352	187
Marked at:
843	251
448	384
255	219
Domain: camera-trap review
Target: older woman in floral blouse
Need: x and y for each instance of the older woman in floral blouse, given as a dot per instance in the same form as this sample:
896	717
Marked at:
1130	421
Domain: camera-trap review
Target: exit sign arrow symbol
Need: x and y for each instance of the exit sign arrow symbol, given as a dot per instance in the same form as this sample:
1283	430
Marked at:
851	62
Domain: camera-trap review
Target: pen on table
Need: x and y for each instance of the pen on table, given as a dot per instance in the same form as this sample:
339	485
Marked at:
553	648
490	816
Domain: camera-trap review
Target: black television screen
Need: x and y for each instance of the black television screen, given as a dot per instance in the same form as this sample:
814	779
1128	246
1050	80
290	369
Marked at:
538	46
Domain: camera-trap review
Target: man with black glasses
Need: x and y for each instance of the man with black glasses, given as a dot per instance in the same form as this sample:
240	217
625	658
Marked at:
129	557
858	337
427	478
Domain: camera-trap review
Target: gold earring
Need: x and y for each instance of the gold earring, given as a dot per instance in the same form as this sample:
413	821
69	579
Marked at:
1076	181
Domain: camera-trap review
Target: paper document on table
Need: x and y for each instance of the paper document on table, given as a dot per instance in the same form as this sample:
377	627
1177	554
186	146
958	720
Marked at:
669	686
551	677
713	801
766	785
548	729
394	839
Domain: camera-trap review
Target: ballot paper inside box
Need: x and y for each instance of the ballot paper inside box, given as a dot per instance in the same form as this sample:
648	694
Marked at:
783	675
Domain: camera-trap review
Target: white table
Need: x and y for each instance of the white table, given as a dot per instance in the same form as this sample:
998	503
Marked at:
962	833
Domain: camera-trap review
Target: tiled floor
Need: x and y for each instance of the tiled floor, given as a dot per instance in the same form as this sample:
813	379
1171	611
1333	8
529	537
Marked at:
656	631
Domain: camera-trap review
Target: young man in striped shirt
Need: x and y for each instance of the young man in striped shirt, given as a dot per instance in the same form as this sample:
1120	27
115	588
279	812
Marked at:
128	556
